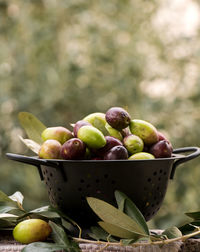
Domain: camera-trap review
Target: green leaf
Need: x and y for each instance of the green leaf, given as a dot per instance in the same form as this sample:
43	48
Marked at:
60	237
120	200
118	231
194	215
46	211
190	227
112	215
131	210
43	247
100	234
127	242
5	198
172	232
7	209
32	145
32	125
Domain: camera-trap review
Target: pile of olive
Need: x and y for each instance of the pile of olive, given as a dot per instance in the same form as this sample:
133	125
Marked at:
110	136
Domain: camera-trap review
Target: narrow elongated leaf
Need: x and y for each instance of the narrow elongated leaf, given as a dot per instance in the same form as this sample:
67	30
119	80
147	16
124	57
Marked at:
6	209
131	210
46	211
118	231
194	215
120	200
60	237
99	233
112	215
58	234
32	145
32	126
5	198
43	247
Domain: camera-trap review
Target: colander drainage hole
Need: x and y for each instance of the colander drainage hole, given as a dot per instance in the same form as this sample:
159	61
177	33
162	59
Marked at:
59	189
80	189
51	174
82	181
149	179
113	182
155	173
97	180
160	171
106	176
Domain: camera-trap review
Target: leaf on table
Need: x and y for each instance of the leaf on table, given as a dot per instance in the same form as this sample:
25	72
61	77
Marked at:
60	237
118	231
99	233
42	247
131	210
6	209
172	232
32	126
189	227
17	197
46	211
194	215
32	145
112	215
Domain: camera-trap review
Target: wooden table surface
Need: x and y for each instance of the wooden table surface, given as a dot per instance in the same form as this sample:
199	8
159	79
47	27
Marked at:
7	244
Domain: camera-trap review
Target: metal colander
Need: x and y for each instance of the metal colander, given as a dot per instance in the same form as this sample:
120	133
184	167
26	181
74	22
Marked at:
69	182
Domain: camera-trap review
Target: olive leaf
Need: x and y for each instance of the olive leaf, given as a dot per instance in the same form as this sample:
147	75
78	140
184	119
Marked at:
32	145
118	231
32	126
60	237
43	247
7	209
131	210
114	216
194	215
99	233
172	232
5	198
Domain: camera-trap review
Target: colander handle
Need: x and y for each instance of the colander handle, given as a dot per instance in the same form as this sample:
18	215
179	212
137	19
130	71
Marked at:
27	160
196	153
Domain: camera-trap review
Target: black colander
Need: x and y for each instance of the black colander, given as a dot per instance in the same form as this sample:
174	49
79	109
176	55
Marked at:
69	182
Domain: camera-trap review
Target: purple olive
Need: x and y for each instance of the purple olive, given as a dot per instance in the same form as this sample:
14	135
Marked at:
161	149
118	118
116	152
74	148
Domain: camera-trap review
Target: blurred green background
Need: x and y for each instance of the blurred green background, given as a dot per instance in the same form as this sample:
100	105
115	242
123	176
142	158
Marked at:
62	60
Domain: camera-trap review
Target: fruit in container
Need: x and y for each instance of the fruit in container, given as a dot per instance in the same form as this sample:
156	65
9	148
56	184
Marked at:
97	120
133	143
113	132
161	149
50	149
116	153
59	133
145	130
141	155
31	230
110	143
78	125
73	149
161	136
92	137
118	118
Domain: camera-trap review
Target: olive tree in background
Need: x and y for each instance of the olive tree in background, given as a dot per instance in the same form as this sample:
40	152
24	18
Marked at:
62	60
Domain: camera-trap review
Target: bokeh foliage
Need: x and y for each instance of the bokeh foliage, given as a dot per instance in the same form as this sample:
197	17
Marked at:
62	60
